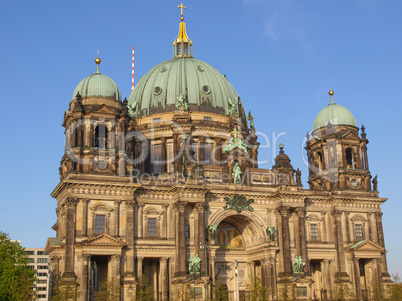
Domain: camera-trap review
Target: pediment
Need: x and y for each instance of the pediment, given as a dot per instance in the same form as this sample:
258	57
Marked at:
102	240
350	135
103	109
366	246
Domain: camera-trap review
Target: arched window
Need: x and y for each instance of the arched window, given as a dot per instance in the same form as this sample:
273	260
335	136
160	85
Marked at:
349	158
101	135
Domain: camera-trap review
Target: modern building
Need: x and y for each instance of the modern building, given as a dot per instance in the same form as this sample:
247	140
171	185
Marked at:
152	184
39	261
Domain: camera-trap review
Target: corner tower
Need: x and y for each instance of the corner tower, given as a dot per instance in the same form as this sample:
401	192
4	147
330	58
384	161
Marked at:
337	155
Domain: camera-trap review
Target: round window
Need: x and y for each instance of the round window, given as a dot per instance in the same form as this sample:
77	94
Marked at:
200	68
163	69
157	90
206	89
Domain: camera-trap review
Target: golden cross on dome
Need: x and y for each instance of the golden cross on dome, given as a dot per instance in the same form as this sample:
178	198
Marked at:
181	6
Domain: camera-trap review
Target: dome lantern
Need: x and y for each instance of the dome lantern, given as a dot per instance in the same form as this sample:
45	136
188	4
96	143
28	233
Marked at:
182	46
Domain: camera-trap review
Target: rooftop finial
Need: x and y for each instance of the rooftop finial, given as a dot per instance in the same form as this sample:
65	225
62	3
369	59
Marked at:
182	46
331	93
97	62
181	6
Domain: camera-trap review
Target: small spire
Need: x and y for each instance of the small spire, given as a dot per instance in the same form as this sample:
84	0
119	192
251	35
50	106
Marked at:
331	93
97	62
281	146
182	46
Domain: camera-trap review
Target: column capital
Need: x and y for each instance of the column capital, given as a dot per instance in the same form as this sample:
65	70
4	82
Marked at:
179	206
129	204
54	258
300	211
71	202
116	257
85	201
200	207
84	257
164	260
336	213
284	210
378	215
140	258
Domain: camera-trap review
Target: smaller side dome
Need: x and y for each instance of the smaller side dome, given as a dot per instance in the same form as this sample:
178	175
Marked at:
97	84
334	113
282	160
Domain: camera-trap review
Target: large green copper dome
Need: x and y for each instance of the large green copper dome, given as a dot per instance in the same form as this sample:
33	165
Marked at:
97	84
334	113
206	88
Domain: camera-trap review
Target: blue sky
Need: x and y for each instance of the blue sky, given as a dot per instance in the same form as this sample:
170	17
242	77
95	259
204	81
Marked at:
281	56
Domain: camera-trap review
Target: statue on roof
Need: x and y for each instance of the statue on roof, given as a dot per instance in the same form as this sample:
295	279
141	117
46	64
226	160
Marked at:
236	174
181	103
233	107
234	142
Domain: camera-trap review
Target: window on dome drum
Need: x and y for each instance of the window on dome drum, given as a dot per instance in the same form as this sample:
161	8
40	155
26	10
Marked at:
151	226
101	136
208	148
156	152
100	224
187	231
313	232
207	118
156	120
359	232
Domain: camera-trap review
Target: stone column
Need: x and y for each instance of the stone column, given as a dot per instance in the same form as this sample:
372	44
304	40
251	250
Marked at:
164	155
287	262
129	208
302	238
348	237
324	227
116	210
140	219
357	277
373	222
212	263
338	237
201	140
84	267
218	149
164	233
139	266
380	233
328	278
54	273
273	280
84	231
201	234
266	272
71	204
164	278
180	259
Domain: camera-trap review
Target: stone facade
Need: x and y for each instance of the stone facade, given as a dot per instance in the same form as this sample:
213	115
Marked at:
140	195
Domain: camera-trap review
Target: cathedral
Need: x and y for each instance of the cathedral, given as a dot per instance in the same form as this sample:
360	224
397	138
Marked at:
164	188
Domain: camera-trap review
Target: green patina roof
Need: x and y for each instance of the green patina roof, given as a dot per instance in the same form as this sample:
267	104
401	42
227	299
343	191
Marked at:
358	244
55	241
97	84
336	114
206	88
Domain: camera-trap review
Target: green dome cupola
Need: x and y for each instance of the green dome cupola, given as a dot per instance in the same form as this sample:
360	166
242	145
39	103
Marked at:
97	85
203	87
335	114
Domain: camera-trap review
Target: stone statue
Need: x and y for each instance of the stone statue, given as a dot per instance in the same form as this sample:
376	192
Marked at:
251	119
298	177
375	183
212	229
233	107
271	233
194	264
236	174
181	103
298	265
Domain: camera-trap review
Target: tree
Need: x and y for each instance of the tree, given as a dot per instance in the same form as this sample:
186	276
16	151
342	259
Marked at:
221	292
256	291
109	290
144	291
65	291
396	288
16	278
